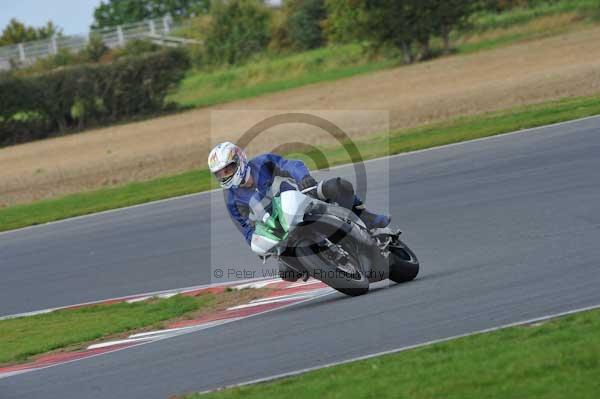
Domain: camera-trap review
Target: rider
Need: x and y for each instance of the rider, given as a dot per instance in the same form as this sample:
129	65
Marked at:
243	179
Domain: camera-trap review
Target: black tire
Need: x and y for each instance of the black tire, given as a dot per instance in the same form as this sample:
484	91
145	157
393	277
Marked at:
404	265
322	269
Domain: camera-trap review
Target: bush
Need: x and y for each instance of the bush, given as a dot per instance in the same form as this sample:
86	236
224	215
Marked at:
343	17
238	30
86	95
279	32
506	5
136	47
62	58
298	25
304	23
95	49
194	28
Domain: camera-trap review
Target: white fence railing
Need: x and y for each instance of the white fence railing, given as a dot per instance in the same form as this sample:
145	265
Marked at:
156	30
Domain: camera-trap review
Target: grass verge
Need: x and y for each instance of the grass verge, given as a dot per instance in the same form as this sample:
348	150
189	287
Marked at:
276	73
491	20
557	359
457	130
105	199
538	28
25	337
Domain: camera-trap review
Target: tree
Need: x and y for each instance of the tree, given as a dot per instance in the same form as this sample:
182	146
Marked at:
17	32
440	18
400	23
423	25
238	29
504	5
449	15
381	22
119	12
304	23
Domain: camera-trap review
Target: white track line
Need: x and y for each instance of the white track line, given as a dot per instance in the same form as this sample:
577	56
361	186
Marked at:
145	298
178	330
140	299
405	348
34	313
303	284
158	332
119	342
529	130
11	373
288	296
266	302
258	284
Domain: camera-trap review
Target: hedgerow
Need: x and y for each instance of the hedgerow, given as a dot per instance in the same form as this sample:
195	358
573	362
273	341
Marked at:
70	98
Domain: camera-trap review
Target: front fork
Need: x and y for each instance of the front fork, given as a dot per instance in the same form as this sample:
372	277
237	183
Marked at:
384	238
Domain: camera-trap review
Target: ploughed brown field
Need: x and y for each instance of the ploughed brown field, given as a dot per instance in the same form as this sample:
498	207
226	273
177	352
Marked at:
525	73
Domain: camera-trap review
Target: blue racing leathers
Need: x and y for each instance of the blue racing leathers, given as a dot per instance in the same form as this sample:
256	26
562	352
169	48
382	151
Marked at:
264	168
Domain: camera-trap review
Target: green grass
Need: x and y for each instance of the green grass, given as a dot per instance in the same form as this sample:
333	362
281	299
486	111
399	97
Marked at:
490	20
104	199
276	73
28	336
461	129
558	359
506	37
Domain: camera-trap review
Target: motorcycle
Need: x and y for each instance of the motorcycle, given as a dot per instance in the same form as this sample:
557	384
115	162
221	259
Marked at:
330	243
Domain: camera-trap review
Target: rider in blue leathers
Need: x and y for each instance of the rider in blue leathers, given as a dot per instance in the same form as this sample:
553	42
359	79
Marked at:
262	170
245	179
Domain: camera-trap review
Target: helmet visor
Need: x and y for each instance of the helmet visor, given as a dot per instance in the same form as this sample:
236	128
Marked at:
226	174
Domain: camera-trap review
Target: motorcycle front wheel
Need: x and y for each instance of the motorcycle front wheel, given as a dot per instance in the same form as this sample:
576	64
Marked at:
404	265
347	278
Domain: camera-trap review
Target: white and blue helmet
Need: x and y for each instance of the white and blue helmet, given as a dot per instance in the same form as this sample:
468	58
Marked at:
229	164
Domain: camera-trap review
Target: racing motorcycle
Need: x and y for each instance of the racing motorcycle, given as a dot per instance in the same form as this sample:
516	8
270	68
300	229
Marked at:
330	243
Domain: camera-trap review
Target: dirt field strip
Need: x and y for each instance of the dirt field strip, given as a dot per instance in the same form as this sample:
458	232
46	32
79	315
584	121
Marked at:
526	73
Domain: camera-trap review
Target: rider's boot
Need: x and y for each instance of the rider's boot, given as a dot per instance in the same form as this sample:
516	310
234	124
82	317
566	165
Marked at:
341	191
370	219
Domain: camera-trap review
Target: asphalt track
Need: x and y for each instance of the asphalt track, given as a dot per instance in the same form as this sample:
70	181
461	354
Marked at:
507	229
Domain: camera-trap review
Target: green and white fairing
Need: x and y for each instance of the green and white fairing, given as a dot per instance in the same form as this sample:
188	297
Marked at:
334	246
288	210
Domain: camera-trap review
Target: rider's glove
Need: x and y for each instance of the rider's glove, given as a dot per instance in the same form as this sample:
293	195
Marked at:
306	183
